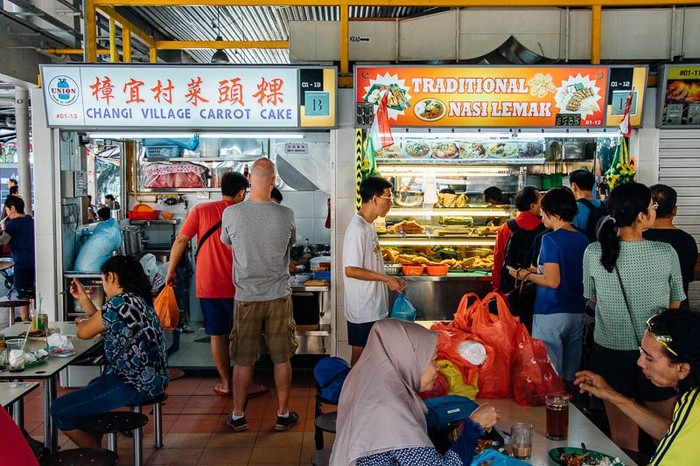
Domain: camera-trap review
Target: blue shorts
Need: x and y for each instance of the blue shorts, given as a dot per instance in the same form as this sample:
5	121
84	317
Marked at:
218	315
101	395
358	333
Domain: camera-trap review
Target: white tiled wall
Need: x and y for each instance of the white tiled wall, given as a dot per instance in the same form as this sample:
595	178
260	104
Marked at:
343	208
310	211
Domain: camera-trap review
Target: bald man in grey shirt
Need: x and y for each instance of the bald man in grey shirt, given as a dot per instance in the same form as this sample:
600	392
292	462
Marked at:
261	233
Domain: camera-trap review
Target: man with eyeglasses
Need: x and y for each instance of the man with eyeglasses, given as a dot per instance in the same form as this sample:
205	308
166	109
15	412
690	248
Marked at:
366	297
669	357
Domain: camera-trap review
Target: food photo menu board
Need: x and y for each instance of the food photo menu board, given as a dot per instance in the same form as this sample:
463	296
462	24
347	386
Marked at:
510	97
679	96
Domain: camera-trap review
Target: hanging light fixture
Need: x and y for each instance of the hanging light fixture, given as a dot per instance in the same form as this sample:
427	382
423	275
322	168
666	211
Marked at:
219	56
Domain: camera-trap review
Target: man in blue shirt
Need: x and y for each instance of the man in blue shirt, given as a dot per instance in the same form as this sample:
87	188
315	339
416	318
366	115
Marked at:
18	232
582	182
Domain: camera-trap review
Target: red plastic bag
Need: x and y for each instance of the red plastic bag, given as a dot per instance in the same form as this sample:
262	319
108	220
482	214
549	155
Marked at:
463	315
167	309
449	339
498	332
534	375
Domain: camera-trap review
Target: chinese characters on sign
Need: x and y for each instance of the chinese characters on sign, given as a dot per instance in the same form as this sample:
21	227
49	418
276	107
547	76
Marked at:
178	96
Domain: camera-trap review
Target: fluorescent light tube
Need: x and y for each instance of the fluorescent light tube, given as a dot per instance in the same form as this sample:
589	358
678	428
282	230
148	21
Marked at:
234	135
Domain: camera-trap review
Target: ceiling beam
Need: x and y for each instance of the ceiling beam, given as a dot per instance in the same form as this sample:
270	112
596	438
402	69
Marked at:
220	44
401	3
126	24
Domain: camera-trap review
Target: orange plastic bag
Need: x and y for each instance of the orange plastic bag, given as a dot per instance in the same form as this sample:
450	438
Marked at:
463	315
167	309
533	373
498	332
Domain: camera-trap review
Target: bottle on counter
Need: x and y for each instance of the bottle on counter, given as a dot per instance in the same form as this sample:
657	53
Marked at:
306	253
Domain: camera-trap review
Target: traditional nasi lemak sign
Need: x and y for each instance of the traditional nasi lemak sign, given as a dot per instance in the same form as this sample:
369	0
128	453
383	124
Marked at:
123	96
493	96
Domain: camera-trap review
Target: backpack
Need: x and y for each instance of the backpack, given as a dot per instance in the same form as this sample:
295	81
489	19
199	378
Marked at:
594	214
443	410
330	374
519	251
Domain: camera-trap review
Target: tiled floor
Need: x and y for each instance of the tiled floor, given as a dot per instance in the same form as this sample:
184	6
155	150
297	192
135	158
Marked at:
194	423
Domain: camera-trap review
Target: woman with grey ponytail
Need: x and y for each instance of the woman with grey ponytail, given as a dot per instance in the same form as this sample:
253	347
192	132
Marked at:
629	279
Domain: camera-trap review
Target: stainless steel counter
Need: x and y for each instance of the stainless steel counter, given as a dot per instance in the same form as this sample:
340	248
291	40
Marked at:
437	298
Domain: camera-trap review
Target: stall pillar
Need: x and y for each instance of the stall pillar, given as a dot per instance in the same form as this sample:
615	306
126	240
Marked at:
22	118
47	206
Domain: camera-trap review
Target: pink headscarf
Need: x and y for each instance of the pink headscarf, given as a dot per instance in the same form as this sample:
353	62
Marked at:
379	407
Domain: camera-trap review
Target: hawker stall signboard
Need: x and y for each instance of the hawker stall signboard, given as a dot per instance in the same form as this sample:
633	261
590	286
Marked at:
679	96
191	97
488	97
622	81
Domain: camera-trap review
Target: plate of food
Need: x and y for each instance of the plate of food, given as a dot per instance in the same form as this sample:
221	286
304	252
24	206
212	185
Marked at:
472	150
569	456
392	151
444	150
502	149
430	109
396	98
417	149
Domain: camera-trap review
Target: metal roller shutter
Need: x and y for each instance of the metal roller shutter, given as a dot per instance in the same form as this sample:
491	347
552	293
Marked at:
679	167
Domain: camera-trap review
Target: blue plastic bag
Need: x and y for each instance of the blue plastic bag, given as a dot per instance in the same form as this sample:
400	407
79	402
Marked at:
497	459
105	239
403	309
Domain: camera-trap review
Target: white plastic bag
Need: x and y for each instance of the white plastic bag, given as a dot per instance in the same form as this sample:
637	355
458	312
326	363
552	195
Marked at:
154	271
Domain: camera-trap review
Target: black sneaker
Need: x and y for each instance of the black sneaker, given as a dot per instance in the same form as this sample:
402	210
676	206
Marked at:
284	423
238	425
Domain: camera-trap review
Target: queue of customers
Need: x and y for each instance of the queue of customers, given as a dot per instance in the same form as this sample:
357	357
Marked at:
626	270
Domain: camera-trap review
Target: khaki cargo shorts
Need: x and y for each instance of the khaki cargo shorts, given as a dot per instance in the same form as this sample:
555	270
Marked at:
272	319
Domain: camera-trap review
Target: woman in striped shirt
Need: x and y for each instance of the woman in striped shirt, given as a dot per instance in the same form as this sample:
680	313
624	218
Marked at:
669	357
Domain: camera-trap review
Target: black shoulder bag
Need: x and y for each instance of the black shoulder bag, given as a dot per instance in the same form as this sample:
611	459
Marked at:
206	236
627	305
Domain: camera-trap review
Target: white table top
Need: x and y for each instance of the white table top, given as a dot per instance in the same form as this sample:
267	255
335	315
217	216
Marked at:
52	365
13	391
581	429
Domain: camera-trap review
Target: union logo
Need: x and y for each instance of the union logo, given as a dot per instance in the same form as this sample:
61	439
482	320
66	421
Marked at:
63	90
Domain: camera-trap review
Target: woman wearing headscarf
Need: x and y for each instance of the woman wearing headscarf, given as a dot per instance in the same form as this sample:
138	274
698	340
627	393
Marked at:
629	279
381	419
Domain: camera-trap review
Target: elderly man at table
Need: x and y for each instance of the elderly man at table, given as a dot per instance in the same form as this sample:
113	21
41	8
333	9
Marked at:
669	356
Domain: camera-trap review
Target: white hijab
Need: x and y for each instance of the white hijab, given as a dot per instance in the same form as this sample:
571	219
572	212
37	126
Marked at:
379	408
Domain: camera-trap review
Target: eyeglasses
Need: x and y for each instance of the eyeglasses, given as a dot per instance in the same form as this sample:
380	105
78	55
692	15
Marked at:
388	198
660	333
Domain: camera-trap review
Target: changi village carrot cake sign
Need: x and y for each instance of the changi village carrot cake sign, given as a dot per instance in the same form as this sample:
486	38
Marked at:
488	96
153	96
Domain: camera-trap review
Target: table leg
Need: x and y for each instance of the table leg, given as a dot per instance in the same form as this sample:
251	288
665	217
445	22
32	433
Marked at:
18	413
50	432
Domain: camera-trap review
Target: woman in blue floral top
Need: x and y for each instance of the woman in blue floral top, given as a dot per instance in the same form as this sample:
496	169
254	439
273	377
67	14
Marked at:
137	368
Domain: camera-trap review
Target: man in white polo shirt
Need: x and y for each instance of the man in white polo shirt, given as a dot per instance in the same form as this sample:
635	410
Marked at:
366	295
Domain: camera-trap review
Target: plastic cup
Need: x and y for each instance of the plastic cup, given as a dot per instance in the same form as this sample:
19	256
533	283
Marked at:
557	416
15	364
521	440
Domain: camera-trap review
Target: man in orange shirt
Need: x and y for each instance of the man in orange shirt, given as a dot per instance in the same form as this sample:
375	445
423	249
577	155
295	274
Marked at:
214	287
